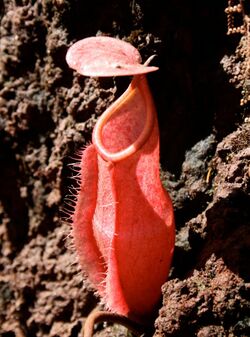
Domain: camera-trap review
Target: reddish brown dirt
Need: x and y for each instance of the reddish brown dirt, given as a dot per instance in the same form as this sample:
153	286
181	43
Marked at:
47	113
213	300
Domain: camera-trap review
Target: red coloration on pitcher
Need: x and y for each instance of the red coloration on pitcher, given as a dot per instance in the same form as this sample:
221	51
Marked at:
123	224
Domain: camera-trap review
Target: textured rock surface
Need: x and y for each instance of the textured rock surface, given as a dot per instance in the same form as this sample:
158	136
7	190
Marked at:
212	299
47	113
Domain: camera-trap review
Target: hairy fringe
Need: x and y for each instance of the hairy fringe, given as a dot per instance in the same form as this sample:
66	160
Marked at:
67	210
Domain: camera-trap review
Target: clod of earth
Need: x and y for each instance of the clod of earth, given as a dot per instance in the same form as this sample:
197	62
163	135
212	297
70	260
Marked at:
123	222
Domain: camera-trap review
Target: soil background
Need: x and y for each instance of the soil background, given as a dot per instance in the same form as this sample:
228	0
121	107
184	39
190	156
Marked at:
47	113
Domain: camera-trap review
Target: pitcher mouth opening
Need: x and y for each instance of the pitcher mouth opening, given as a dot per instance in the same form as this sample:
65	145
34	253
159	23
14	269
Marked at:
126	125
